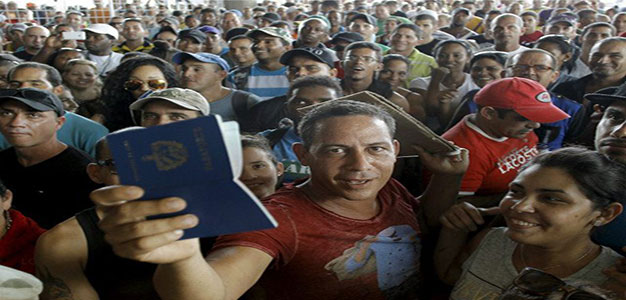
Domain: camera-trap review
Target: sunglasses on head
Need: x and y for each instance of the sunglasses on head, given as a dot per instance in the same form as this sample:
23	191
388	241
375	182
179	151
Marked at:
31	94
535	282
153	84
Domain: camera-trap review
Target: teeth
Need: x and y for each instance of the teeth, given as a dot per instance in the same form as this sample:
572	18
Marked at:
522	223
356	181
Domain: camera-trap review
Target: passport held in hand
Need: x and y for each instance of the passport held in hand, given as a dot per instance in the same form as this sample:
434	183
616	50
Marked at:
198	160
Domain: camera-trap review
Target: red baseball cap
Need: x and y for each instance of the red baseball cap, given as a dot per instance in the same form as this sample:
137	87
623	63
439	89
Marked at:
524	96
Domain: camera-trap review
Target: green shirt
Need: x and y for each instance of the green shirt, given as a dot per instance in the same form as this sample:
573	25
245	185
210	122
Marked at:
421	64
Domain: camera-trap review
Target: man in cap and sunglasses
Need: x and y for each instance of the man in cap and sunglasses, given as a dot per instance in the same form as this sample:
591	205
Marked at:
204	73
47	177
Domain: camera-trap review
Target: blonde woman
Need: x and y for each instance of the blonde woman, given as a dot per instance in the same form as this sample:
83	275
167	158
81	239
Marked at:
81	77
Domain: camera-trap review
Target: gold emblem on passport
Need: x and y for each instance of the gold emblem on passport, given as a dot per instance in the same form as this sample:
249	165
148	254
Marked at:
167	155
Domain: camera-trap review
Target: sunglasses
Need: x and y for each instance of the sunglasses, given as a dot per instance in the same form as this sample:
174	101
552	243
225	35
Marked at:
108	163
153	84
31	94
538	283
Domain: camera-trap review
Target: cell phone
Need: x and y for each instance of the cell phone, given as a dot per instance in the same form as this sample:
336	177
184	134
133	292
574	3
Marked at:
73	35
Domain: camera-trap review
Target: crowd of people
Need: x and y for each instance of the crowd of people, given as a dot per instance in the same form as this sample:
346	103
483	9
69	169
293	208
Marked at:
529	207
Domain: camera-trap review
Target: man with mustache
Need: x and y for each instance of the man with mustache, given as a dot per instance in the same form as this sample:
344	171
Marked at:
507	29
500	136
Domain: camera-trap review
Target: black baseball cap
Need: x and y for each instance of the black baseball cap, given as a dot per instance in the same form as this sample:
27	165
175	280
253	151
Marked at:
606	96
195	34
39	100
320	54
270	16
349	37
235	32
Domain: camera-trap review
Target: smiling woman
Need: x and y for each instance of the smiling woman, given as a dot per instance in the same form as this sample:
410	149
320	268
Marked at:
550	210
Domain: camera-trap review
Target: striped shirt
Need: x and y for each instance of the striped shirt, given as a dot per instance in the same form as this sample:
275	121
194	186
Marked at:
263	83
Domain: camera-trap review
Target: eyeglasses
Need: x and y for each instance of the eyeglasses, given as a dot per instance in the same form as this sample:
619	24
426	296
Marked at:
538	283
526	68
31	94
108	163
366	59
153	84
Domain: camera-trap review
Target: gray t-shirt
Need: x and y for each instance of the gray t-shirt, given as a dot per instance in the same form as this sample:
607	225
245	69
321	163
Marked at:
490	270
228	109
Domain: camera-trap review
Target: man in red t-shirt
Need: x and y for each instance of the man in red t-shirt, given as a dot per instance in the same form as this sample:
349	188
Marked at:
349	232
500	135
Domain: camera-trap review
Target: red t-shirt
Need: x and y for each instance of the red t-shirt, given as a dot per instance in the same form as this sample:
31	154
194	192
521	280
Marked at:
493	162
321	255
530	38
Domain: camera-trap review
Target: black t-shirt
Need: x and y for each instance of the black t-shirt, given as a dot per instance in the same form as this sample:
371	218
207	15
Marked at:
265	115
22	54
428	48
51	191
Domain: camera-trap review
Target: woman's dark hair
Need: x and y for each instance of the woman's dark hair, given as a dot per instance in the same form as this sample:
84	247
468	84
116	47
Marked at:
497	56
118	99
391	57
54	55
463	43
602	180
564	46
3	189
259	142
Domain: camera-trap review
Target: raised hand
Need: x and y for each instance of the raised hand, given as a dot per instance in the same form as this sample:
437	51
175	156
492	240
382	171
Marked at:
466	217
455	164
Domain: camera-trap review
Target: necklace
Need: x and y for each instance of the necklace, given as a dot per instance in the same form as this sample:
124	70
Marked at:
521	255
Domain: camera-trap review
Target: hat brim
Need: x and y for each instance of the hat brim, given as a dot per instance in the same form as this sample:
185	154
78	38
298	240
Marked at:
285	58
100	32
542	114
604	99
38	106
137	105
253	33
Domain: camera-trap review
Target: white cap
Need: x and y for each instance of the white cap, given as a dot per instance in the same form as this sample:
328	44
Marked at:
103	29
427	12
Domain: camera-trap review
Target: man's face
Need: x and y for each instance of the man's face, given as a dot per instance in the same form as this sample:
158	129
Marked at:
74	20
230	20
213	44
351	158
301	66
512	125
460	19
427	27
24	127
132	31
200	76
30	78
161	112
595	34
188	44
382	12
191	22
590	18
168	37
268	48
339	48
366	30
620	23
535	66
34	38
563	28
312	32
395	73
96	43
306	96
404	40
530	23
390	25
208	18
240	51
334	18
611	132
506	30
608	59
361	64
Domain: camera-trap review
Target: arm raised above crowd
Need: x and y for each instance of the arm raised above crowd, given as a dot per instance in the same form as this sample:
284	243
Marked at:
182	272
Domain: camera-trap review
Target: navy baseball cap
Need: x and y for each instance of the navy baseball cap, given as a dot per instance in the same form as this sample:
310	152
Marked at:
195	34
349	37
320	54
204	57
39	100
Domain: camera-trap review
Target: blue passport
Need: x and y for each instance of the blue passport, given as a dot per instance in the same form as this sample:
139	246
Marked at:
198	160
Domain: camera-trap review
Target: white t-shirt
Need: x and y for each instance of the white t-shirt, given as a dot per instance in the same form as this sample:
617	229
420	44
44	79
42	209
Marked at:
106	63
468	85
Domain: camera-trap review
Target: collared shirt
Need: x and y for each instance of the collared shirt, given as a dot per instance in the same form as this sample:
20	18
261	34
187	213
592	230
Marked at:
421	64
123	48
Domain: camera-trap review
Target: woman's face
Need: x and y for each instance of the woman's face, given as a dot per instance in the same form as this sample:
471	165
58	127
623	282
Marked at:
145	74
485	70
80	77
61	59
395	73
259	174
545	208
452	56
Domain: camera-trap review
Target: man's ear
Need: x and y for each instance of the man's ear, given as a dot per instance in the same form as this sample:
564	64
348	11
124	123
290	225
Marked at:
280	169
302	153
568	56
58	90
333	72
93	171
60	122
396	147
598	108
488	113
